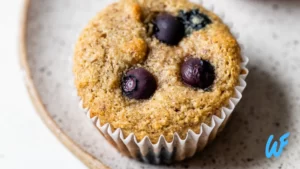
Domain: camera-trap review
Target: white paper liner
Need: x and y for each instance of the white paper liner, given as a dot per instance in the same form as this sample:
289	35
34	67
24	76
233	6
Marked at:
178	149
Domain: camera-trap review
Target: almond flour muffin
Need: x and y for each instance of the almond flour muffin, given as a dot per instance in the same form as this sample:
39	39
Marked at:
156	67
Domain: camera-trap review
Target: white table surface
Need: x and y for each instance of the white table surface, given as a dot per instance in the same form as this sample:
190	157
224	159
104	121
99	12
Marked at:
25	142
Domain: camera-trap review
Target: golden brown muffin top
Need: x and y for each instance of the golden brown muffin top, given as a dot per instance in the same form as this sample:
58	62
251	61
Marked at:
118	39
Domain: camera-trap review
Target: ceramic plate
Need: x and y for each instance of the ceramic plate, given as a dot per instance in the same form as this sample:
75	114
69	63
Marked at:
268	29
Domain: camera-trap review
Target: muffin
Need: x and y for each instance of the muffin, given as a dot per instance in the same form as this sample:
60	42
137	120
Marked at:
156	72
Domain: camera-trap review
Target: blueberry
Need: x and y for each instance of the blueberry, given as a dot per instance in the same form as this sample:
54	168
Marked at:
193	20
168	29
138	84
197	73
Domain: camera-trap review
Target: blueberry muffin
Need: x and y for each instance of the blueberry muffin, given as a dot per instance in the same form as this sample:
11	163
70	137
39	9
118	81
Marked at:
156	67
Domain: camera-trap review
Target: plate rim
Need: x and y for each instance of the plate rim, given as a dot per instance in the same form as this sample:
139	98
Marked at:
86	158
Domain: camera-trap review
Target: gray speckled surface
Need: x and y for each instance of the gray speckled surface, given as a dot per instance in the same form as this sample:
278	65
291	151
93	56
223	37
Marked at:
271	105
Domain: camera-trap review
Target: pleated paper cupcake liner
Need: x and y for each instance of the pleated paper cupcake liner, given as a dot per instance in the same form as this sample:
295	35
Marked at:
179	149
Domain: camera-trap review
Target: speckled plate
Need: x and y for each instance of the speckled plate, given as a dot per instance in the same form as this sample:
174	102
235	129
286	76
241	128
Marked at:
271	104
